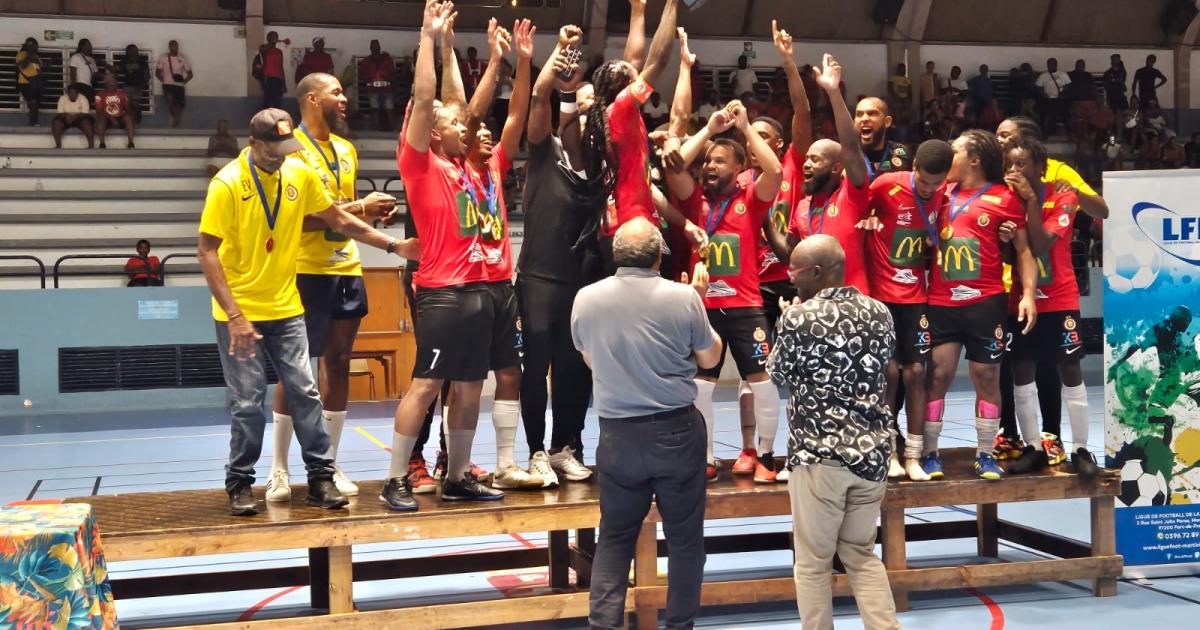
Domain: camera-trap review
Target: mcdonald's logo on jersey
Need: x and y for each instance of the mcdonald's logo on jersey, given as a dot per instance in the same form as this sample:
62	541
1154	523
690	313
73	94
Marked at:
908	246
724	255
960	259
468	215
1045	270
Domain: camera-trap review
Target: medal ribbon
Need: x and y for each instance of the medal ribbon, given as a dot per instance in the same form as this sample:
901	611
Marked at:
821	210
713	221
334	166
272	215
933	235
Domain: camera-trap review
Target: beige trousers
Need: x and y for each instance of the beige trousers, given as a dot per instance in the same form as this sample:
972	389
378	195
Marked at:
834	510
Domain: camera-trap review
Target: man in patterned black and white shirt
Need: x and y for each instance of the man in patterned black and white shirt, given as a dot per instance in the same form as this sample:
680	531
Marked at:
830	352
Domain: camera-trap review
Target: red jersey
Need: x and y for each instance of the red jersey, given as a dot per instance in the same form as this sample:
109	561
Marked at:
968	266
791	189
1057	289
487	189
273	62
111	103
631	143
445	216
836	215
896	253
734	226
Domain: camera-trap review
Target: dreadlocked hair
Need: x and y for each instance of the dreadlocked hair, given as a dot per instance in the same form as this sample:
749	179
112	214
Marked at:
1033	147
983	145
599	159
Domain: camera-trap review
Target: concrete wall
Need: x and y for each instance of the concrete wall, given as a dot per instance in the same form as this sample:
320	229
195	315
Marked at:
39	322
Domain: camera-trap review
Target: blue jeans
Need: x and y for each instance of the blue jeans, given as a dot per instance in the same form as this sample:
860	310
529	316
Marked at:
285	341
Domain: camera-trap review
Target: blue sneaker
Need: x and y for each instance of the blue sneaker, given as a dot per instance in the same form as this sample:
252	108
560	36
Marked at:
987	467
931	463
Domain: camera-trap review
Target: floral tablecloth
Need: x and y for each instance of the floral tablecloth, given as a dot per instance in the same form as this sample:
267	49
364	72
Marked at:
52	571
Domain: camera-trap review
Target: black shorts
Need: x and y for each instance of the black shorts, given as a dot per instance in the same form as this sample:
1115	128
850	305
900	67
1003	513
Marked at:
979	327
744	332
327	298
507	338
177	93
912	332
1055	335
771	293
455	333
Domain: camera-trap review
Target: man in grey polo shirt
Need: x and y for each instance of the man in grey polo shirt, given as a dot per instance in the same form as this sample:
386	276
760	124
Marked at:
643	337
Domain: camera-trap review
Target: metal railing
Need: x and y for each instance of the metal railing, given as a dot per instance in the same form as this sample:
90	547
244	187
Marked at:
162	271
93	272
41	273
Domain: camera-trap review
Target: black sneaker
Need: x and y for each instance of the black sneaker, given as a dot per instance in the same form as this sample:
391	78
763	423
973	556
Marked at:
1030	460
469	489
323	494
1085	463
397	494
241	501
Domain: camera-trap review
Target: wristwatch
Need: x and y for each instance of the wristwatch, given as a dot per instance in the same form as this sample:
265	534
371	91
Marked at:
391	246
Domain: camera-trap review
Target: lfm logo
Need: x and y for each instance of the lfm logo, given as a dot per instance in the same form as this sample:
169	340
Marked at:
1176	234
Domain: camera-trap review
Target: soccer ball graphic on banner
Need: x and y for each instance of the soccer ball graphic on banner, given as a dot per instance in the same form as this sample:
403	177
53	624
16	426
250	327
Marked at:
1131	262
1140	487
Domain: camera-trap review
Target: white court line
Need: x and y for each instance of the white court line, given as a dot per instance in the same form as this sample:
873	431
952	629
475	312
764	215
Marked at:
129	439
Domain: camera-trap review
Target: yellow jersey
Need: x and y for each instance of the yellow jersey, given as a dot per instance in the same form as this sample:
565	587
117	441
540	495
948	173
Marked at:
28	72
1057	169
259	258
327	252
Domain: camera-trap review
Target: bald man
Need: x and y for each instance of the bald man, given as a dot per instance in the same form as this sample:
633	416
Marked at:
872	119
328	273
839	432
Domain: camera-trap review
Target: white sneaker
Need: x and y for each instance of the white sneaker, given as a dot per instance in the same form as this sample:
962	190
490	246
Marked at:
512	477
783	475
914	470
565	464
895	468
539	466
278	490
344	485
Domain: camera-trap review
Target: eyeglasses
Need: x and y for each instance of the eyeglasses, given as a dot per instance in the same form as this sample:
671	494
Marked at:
794	272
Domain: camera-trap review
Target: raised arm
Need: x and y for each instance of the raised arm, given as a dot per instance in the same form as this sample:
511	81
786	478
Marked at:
420	119
852	155
499	42
454	95
681	104
541	118
801	113
518	108
660	46
766	187
680	182
635	42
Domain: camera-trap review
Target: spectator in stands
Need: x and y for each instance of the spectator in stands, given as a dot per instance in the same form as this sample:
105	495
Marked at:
1156	120
112	109
74	110
655	111
702	83
83	67
144	270
222	147
1147	80
256	66
899	85
377	71
743	79
1021	88
472	71
273	80
30	81
136	74
929	86
1114	80
955	85
315	60
980	94
1082	99
174	71
1191	151
1173	155
1051	83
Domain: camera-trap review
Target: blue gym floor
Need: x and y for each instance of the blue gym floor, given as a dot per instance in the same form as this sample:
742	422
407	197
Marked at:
107	453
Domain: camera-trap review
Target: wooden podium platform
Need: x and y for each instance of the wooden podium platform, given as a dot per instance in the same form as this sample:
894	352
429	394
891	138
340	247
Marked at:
192	523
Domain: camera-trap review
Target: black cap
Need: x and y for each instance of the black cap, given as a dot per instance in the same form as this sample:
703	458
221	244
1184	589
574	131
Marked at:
274	126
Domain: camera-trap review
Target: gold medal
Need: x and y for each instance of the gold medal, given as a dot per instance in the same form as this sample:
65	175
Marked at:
947	232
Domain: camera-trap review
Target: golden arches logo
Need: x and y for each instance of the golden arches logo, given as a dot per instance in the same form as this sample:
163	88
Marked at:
718	251
957	253
909	247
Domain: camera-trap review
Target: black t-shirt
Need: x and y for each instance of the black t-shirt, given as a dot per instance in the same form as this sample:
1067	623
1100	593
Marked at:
558	206
1146	79
136	72
893	157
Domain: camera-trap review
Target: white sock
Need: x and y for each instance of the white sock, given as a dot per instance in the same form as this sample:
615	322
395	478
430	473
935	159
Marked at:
334	422
458	456
505	416
985	431
932	431
1025	404
766	414
402	446
704	403
283	440
1077	412
914	446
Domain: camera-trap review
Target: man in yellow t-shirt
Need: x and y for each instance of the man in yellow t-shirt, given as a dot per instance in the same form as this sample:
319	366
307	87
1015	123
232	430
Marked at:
329	273
30	83
250	233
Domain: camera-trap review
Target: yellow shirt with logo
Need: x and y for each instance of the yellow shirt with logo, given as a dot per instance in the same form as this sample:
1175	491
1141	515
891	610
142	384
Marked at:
1055	170
263	282
28	72
327	252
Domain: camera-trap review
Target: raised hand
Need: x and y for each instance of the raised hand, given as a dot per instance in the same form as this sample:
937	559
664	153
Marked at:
447	31
831	74
436	15
637	5
783	40
523	31
720	121
570	35
499	40
1020	185
685	53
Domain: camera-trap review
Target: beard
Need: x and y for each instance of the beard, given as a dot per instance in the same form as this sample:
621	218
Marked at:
335	123
818	182
713	188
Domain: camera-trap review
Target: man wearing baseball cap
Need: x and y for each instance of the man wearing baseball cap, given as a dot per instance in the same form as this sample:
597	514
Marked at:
249	241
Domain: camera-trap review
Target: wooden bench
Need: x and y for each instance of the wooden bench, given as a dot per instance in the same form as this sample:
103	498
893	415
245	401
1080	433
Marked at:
192	523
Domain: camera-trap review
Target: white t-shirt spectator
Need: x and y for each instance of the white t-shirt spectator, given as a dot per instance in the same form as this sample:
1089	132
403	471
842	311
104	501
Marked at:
957	85
706	111
85	67
743	81
171	66
1052	83
661	111
78	106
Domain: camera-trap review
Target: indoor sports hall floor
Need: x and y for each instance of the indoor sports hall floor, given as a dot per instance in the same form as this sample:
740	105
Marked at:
47	457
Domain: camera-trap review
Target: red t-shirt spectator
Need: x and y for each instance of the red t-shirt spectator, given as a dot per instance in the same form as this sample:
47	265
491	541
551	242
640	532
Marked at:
377	73
273	63
148	269
111	103
314	62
